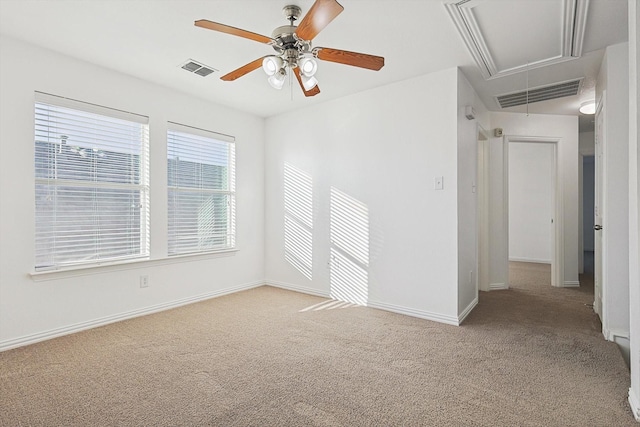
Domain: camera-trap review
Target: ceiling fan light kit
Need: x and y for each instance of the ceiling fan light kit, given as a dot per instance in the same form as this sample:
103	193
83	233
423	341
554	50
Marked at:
277	79
308	66
309	82
294	53
271	65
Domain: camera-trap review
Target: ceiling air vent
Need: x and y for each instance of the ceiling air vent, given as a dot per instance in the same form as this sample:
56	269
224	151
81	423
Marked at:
540	93
197	68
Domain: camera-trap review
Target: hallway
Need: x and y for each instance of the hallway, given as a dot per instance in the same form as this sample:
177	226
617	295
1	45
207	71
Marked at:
555	332
531	300
530	276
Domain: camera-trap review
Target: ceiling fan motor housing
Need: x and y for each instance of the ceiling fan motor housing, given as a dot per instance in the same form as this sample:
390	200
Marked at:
288	45
284	35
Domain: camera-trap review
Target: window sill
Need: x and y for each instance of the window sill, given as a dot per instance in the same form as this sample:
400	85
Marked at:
87	270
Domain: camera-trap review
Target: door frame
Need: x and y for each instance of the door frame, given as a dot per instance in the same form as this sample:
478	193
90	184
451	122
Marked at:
599	248
482	217
557	230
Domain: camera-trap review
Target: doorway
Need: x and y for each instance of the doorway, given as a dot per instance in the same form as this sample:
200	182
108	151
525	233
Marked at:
588	215
535	238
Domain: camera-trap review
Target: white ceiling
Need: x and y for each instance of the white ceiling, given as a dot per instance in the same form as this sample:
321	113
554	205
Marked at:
150	39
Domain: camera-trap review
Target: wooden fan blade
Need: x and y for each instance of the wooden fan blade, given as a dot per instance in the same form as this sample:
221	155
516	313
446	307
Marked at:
245	69
355	59
215	26
319	16
314	90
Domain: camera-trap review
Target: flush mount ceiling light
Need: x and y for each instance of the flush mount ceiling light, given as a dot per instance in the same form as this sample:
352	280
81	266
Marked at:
292	43
588	107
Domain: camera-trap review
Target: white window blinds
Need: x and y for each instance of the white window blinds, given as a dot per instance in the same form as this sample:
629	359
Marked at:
91	177
201	181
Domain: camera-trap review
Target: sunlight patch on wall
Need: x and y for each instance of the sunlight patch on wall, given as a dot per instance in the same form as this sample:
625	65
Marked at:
349	262
298	219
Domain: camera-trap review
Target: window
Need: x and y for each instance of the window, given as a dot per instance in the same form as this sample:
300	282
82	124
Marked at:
201	181
91	178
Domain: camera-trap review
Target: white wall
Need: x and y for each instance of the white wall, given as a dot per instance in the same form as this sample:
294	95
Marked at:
498	244
588	195
32	310
535	125
614	79
382	149
586	143
530	201
634	207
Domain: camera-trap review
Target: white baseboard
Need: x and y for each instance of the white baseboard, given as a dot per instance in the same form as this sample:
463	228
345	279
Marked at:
77	327
571	284
612	335
422	314
435	317
534	260
297	288
634	402
467	310
498	286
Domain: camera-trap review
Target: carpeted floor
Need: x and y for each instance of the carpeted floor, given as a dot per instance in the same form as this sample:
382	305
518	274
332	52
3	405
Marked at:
528	356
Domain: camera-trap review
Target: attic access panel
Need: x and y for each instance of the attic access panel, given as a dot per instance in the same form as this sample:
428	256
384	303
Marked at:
508	37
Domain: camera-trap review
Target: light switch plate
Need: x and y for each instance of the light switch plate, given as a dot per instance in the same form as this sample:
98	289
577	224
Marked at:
438	183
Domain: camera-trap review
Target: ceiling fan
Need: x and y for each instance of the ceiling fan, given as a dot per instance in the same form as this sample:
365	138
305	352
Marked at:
294	53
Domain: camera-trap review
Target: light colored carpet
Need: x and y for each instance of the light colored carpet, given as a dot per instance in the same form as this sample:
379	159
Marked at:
270	357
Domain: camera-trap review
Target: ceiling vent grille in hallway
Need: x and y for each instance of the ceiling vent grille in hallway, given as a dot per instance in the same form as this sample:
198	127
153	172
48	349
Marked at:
540	93
197	68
